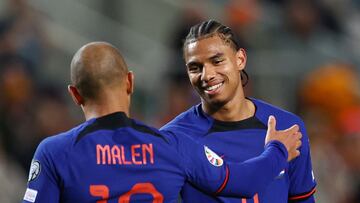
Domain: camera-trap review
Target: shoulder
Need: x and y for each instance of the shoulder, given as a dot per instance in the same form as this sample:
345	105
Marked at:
146	129
283	117
191	122
56	144
183	118
162	136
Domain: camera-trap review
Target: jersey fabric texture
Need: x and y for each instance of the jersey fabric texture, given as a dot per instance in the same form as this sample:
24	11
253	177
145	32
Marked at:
117	159
242	140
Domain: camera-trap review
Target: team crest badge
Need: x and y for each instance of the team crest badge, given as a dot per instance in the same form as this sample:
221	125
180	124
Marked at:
212	157
34	170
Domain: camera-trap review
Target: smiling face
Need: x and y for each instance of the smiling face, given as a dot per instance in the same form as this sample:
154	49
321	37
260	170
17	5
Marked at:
213	67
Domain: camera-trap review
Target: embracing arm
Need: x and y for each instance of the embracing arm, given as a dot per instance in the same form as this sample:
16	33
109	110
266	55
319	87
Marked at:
246	178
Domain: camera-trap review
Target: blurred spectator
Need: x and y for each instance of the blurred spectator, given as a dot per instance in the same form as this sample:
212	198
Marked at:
177	91
27	111
11	177
306	36
330	103
21	58
179	96
17	89
27	29
308	16
351	18
349	122
6	38
243	17
190	16
50	103
307	25
24	35
332	89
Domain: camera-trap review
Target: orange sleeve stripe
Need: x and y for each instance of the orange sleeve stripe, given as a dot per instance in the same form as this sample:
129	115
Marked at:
304	196
224	183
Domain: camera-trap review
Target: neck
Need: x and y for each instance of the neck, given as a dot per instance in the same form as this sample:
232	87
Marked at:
101	108
236	109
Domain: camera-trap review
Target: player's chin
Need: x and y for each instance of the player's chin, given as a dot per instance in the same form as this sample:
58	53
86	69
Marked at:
213	98
214	101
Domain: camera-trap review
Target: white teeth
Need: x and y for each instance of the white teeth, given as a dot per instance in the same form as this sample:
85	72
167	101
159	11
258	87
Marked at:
213	87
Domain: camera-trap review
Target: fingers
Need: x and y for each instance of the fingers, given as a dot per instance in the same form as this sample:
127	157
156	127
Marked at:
293	154
293	129
299	135
297	153
290	137
298	142
290	131
271	124
294	150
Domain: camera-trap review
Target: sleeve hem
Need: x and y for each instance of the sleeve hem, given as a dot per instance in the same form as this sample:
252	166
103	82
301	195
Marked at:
303	195
280	146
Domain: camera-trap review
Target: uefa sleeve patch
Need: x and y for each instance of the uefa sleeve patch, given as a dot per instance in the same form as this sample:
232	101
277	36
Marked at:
30	195
34	170
212	157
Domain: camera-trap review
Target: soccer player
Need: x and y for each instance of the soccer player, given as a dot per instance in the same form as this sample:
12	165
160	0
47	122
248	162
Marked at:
233	125
113	158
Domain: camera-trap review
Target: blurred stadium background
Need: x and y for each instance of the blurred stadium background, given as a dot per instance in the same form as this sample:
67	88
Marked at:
303	55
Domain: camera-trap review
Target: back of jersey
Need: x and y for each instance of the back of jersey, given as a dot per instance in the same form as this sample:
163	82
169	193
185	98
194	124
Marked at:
109	159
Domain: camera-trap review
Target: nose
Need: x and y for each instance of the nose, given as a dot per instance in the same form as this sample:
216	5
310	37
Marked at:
208	73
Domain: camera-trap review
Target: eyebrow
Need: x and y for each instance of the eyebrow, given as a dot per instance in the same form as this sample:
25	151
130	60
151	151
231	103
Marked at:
217	55
192	63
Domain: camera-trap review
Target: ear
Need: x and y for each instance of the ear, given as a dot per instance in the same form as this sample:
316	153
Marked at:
75	95
130	82
241	59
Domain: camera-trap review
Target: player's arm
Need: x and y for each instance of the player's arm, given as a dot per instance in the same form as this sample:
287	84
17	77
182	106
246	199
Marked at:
302	181
42	183
207	171
247	178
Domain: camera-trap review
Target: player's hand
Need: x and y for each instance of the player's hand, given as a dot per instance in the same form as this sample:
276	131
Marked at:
290	137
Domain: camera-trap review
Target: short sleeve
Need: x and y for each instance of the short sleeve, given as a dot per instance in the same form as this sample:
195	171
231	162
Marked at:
42	182
302	180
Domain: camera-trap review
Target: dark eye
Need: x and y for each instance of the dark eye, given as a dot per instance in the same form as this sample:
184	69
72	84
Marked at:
217	61
194	68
